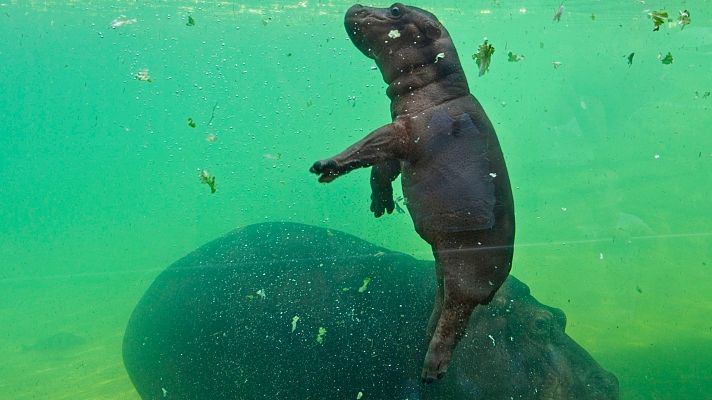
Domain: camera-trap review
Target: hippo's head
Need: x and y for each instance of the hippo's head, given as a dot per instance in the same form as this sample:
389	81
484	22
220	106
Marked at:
400	38
528	344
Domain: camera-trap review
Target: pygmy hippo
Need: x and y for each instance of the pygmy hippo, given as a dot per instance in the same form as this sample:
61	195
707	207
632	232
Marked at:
292	311
454	177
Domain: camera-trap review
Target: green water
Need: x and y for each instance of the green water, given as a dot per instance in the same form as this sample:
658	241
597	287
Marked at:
611	166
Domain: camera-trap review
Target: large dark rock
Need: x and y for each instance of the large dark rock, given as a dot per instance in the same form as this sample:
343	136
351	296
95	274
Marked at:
218	324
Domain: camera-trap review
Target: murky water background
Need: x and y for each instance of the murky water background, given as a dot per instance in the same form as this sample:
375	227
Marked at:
611	165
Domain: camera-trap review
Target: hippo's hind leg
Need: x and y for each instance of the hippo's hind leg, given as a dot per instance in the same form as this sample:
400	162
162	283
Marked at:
438	303
473	267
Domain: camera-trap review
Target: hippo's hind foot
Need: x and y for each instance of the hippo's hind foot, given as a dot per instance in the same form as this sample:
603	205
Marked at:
443	342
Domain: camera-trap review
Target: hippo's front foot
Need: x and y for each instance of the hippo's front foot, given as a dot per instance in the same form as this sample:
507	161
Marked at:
382	203
328	170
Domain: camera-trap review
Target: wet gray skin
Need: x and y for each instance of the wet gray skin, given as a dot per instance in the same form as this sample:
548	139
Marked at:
526	341
202	331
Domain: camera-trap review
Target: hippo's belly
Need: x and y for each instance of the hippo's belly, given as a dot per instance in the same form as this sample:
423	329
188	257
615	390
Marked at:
451	187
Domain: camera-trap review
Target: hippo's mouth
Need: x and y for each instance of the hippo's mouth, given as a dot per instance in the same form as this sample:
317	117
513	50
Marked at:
356	35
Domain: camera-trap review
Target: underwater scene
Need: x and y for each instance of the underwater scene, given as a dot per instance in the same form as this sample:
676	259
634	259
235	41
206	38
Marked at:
162	236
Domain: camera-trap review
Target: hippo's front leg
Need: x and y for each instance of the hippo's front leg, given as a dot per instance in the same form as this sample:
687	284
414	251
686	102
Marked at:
385	143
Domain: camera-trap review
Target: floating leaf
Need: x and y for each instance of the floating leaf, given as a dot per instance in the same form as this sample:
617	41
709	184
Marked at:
320	335
558	13
191	123
684	18
483	57
659	18
208	179
630	58
191	21
513	57
143	75
667	60
364	286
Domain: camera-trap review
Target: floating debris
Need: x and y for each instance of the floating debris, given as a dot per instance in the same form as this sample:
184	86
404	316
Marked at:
359	395
659	18
295	319
320	335
683	19
394	34
364	286
558	13
630	58
439	57
208	179
272	157
260	294
211	137
120	21
351	100
266	20
191	123
483	57
513	57
593	17
703	95
638	289
191	21
143	75
397	204
667	60
556	64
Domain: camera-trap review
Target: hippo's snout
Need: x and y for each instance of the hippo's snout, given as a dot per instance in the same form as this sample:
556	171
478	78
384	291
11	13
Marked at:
355	11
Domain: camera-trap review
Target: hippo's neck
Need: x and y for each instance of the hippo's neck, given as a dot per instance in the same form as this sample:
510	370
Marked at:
424	86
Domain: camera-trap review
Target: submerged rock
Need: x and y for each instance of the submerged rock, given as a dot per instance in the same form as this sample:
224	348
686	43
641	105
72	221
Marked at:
200	333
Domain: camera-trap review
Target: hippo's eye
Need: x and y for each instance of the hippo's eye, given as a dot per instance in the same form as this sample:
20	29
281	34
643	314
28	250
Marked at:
396	11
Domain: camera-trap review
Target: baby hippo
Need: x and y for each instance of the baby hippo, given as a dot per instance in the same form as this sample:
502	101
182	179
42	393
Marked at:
452	170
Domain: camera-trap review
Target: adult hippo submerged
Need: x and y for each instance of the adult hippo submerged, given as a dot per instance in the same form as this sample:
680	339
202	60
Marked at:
291	311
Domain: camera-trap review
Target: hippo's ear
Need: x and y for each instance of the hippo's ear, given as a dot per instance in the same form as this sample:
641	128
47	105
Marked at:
429	26
432	30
